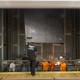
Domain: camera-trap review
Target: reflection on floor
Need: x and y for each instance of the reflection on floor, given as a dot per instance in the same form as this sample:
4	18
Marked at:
39	75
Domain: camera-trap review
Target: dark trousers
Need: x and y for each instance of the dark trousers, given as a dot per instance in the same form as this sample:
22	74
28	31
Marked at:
32	67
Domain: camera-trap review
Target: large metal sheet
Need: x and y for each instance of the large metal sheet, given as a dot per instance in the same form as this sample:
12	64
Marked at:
44	25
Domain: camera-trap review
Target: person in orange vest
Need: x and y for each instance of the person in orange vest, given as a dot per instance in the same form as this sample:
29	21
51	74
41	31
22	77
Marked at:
63	65
51	64
45	65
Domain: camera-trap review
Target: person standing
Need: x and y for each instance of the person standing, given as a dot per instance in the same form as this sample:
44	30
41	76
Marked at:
45	65
63	65
52	64
31	53
12	66
24	63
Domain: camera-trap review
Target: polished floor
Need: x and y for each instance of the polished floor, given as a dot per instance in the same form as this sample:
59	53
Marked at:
40	75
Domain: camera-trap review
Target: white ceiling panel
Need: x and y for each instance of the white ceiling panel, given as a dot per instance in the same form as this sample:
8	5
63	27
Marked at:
39	4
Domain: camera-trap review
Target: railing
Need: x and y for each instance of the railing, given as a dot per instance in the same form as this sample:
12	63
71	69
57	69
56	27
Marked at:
72	65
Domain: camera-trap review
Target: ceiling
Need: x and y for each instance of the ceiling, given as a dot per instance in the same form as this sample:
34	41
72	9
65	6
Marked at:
39	4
